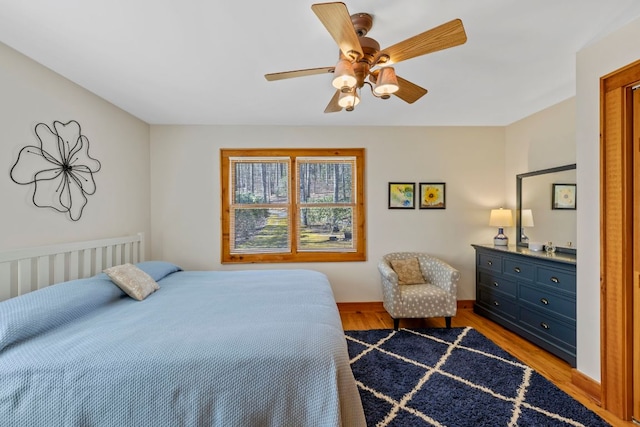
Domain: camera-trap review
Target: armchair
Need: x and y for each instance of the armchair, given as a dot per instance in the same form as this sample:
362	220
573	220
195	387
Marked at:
435	297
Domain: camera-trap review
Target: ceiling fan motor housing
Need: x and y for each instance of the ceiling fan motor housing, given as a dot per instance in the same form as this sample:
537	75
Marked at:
362	23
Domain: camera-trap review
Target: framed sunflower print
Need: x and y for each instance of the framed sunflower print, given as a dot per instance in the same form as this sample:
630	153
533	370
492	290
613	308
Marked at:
432	195
563	196
402	195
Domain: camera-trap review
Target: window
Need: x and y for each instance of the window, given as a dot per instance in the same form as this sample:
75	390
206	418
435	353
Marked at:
292	205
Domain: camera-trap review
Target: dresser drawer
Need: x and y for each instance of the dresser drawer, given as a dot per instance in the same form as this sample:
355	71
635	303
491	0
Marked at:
521	270
557	279
496	302
498	282
490	262
546	327
551	302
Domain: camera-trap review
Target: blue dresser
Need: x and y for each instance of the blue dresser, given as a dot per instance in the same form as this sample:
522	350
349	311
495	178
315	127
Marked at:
530	293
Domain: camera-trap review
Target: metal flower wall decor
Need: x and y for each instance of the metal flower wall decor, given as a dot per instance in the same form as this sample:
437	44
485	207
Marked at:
60	168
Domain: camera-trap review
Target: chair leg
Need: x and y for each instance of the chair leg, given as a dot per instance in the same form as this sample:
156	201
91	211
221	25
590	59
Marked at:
396	324
447	321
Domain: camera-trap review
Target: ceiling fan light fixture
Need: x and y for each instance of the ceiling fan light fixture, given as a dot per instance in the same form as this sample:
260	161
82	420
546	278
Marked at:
386	83
348	100
345	77
359	54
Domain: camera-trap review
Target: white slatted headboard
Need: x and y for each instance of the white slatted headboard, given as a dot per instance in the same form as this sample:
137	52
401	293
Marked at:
25	270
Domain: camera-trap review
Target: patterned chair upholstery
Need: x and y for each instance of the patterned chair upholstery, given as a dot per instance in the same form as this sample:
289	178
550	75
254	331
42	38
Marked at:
436	297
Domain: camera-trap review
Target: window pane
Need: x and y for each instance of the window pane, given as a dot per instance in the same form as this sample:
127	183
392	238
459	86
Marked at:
259	230
273	212
325	182
326	229
264	182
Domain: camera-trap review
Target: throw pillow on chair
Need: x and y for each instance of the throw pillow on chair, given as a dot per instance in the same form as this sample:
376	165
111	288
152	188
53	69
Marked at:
408	271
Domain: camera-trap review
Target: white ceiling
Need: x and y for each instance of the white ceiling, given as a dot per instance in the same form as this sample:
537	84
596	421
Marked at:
203	62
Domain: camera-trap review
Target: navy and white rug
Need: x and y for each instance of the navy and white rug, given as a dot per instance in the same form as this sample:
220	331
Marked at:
453	377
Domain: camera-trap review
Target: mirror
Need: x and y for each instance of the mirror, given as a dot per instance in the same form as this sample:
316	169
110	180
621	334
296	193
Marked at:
536	193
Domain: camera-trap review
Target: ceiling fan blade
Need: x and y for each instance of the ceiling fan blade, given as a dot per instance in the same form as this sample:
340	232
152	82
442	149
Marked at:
298	73
332	106
409	92
442	37
336	19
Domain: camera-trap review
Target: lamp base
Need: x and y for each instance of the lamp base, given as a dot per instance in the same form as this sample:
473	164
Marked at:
501	239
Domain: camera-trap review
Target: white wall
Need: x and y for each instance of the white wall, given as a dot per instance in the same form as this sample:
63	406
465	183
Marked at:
185	188
543	140
593	62
30	94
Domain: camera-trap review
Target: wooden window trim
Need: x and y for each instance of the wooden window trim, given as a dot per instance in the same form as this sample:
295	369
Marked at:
294	256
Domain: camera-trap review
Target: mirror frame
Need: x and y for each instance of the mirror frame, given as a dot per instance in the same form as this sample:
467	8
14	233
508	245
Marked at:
519	178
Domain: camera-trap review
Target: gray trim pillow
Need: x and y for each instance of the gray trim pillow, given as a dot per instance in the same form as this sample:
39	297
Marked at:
135	282
408	271
158	270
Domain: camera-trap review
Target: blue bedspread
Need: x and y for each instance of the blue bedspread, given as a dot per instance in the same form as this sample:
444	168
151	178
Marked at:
245	348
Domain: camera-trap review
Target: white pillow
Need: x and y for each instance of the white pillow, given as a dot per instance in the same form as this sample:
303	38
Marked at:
135	282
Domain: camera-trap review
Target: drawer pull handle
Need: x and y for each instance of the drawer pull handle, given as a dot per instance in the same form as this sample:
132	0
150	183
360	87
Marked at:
516	269
489	263
554	279
544	325
496	284
496	303
544	301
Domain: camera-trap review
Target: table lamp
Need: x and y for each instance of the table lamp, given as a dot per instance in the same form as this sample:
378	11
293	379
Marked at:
526	220
501	218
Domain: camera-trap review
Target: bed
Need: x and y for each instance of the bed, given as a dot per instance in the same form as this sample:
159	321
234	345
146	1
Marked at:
233	348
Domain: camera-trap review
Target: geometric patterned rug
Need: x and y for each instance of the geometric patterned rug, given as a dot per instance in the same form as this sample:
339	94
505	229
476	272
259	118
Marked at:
453	377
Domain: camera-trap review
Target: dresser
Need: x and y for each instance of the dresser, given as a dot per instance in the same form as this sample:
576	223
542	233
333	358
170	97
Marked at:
530	293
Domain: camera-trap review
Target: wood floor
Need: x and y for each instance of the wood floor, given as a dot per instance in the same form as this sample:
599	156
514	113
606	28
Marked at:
373	316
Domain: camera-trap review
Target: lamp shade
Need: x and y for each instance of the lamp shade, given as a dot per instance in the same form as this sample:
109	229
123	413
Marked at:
345	77
387	83
348	100
501	218
526	218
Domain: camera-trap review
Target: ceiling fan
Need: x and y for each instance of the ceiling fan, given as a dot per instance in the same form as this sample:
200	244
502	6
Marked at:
359	55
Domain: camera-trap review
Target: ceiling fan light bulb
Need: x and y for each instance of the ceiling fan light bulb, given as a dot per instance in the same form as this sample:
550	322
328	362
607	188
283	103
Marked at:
344	76
386	83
